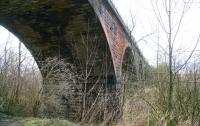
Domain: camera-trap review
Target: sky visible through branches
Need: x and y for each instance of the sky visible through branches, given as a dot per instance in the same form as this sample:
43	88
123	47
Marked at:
145	22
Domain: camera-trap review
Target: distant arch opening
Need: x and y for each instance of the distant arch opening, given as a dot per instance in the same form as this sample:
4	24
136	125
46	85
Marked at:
129	71
129	74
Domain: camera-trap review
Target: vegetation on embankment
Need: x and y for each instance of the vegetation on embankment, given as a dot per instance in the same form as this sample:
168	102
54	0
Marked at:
147	105
145	101
43	122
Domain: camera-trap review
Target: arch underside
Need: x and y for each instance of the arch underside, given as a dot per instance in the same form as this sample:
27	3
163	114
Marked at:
66	29
90	36
50	28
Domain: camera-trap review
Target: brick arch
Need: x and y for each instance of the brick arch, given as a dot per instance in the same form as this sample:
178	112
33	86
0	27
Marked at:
63	32
50	28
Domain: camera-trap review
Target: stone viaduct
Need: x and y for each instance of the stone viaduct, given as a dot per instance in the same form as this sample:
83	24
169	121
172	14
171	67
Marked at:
89	34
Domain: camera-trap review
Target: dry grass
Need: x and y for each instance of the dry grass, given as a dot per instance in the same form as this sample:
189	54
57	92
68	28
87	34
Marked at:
135	110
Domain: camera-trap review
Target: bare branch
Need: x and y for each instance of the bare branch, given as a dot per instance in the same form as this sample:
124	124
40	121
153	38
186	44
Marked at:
191	54
158	16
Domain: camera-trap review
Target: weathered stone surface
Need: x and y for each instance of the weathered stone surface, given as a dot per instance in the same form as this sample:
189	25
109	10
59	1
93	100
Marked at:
89	34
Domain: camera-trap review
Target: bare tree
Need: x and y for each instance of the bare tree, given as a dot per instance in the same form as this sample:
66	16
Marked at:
18	71
171	26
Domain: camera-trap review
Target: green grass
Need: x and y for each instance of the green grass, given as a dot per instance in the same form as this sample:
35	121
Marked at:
3	116
43	122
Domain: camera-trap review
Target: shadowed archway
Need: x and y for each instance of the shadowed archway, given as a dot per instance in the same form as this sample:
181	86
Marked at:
68	30
89	34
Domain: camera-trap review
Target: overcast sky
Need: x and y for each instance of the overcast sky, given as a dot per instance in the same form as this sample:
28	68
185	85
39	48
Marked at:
146	23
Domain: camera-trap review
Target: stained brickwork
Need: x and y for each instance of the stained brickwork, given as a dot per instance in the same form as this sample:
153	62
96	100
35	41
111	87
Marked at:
60	28
117	34
114	32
